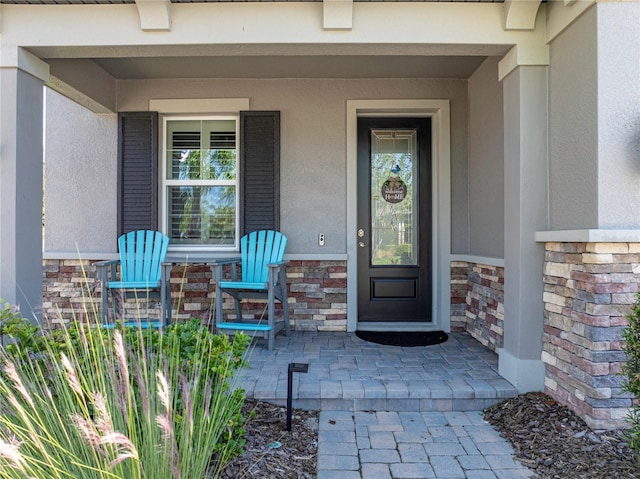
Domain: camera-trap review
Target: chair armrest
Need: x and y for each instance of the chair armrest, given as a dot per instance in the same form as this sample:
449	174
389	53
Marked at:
216	267
278	264
106	269
106	263
277	272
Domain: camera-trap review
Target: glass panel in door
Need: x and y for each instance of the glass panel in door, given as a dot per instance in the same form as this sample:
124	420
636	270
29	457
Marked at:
394	208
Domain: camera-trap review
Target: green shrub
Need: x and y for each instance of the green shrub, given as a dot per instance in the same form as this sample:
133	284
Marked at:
631	370
87	402
17	330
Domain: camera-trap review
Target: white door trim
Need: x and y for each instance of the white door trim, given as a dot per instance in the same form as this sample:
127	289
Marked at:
438	111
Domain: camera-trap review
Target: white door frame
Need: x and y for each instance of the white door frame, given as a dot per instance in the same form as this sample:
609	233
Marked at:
438	111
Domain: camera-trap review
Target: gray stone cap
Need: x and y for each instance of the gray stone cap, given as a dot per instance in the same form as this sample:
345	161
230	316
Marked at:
589	236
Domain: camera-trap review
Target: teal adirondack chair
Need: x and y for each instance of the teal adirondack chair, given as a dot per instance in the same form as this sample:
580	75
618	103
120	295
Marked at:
142	253
263	276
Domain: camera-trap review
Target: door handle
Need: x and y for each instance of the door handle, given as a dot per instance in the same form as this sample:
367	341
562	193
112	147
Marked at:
361	244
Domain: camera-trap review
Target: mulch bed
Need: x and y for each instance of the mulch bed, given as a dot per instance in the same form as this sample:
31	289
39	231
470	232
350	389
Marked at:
547	437
557	444
272	452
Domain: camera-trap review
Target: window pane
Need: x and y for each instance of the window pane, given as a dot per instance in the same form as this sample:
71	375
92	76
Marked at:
219	165
201	150
183	134
202	165
202	214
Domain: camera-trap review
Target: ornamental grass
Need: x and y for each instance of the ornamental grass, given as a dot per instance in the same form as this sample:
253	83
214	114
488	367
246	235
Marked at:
90	402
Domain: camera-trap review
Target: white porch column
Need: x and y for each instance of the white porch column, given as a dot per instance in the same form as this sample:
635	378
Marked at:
526	211
21	90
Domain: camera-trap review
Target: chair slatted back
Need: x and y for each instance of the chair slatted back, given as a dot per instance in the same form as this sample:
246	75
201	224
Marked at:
141	255
258	249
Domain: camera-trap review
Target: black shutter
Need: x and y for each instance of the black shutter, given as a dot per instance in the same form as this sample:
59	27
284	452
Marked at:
260	170
137	171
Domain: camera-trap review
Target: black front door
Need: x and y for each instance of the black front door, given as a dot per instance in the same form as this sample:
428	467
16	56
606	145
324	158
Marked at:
394	220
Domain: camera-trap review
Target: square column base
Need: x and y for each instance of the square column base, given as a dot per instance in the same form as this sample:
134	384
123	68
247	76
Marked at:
525	374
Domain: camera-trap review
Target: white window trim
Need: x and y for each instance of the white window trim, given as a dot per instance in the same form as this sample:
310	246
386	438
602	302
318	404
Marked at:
199	106
165	183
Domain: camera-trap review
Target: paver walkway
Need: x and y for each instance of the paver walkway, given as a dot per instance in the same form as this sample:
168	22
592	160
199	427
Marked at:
391	412
347	373
413	445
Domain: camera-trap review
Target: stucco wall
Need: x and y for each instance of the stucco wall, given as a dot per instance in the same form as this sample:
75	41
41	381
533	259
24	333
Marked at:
486	162
573	126
80	178
619	114
594	120
313	155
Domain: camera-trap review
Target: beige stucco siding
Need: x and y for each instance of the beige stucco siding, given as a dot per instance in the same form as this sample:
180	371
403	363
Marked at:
594	113
619	114
313	155
573	140
80	178
486	162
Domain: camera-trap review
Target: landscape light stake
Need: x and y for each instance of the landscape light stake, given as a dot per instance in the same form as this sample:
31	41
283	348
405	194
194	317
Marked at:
293	368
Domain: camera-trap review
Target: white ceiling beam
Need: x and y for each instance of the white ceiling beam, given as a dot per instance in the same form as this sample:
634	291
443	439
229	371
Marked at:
155	15
520	14
337	14
469	28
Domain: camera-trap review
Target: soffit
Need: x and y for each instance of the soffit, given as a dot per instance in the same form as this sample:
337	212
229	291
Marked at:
360	66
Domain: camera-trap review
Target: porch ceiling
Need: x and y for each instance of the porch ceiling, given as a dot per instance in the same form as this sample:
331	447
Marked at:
277	61
334	66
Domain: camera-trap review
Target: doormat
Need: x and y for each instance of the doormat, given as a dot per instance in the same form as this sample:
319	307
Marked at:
404	338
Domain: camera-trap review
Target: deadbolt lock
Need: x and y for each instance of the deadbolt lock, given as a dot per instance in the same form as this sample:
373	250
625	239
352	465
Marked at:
360	233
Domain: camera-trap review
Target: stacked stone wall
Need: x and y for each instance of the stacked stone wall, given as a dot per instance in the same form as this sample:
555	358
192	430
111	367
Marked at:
588	291
485	305
477	302
459	286
317	294
69	291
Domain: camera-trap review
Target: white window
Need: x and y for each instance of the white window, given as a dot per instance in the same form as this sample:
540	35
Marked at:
200	182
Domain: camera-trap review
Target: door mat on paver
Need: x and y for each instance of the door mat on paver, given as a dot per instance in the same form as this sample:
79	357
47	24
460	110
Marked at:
404	338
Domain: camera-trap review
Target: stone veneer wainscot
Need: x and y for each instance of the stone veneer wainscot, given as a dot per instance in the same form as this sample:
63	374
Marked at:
588	290
317	293
477	301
